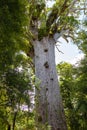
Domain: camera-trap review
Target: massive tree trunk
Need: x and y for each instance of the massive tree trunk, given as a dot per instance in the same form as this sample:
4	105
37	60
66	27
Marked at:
49	104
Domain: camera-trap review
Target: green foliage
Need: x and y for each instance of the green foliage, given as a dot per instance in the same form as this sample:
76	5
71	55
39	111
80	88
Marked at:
14	90
82	40
73	89
16	82
13	21
47	20
66	79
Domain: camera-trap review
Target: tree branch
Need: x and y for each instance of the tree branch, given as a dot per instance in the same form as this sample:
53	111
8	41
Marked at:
59	50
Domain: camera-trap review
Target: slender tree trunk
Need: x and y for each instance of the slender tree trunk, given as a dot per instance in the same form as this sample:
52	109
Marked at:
49	105
14	120
9	127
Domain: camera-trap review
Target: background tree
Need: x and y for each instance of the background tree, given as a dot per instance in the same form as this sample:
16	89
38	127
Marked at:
15	77
73	88
67	75
81	78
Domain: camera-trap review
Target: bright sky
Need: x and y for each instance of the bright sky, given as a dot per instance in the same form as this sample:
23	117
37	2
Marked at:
71	52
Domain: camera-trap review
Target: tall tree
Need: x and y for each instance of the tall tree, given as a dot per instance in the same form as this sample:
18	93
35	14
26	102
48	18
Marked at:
47	24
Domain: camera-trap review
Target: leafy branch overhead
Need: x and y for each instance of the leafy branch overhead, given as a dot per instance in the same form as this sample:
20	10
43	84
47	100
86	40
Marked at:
61	16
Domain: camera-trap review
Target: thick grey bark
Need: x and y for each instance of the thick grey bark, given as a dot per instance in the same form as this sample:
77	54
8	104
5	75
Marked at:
49	108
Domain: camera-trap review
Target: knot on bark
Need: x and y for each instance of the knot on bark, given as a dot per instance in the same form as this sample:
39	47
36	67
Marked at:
45	50
51	79
46	89
46	64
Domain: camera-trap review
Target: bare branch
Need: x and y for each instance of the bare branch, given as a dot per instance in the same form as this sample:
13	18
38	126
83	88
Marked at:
59	50
78	9
65	38
70	36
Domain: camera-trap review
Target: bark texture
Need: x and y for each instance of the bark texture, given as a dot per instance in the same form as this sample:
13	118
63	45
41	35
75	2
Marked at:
49	108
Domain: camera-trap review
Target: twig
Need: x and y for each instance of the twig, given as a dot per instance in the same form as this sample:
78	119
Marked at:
58	49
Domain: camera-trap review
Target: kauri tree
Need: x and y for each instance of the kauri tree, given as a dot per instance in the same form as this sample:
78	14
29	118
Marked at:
46	25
